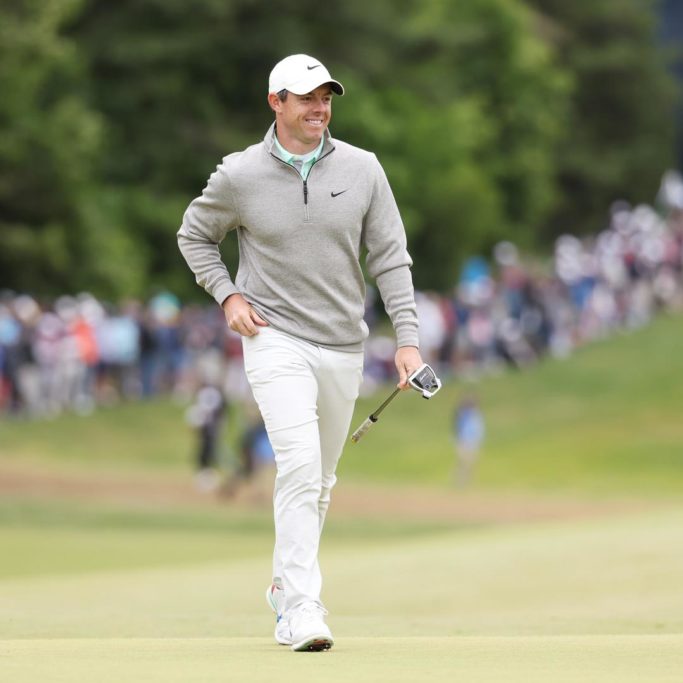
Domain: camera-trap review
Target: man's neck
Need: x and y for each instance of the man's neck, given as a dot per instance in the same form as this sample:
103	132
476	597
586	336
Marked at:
294	146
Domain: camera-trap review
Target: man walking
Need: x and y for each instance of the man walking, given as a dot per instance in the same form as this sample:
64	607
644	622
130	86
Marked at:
303	206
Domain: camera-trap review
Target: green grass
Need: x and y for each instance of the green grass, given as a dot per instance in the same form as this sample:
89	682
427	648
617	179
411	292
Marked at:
146	435
56	536
596	600
606	659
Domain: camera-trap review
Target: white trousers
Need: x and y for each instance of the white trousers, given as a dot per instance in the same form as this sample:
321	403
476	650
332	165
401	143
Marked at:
306	395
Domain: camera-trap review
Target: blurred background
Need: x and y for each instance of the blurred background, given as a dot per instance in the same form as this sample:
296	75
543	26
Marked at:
534	148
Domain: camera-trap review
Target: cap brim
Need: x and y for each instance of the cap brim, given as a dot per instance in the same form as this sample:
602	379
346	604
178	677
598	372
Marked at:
304	87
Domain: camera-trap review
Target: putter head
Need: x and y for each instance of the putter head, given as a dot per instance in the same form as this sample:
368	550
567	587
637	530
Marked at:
425	381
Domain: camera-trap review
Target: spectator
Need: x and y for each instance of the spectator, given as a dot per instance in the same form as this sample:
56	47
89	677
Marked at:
206	415
468	431
256	466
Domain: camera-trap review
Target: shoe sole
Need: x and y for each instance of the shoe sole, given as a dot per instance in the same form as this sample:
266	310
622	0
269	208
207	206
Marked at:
318	643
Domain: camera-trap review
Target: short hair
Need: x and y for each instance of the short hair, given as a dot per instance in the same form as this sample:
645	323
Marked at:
282	95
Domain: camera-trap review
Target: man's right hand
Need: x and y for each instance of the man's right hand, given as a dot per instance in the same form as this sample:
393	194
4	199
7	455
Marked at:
241	317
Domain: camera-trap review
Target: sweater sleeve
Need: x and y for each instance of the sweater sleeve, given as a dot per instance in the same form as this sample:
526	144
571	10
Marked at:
388	261
206	222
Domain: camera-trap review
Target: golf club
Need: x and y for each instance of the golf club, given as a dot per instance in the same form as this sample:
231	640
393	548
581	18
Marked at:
424	380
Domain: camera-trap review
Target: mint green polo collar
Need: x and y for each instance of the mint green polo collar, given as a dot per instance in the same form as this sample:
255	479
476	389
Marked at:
307	160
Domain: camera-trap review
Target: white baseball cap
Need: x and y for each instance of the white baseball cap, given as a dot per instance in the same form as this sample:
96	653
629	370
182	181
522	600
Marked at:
300	74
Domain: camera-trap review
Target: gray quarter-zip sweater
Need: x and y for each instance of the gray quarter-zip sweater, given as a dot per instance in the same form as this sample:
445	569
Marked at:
300	242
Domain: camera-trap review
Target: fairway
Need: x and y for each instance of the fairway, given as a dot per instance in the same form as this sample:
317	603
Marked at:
597	600
363	660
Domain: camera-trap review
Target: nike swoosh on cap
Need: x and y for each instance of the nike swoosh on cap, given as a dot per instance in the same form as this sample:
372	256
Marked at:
336	194
310	68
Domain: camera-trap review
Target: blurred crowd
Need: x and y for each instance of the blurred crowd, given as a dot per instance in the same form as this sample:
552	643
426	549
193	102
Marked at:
78	353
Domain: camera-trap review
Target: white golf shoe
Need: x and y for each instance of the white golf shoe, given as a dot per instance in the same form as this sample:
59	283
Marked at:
275	597
309	632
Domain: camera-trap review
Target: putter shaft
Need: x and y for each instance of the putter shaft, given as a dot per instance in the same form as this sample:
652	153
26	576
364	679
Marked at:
370	420
375	415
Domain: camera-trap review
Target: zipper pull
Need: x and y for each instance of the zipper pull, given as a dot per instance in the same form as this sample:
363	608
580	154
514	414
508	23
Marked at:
305	192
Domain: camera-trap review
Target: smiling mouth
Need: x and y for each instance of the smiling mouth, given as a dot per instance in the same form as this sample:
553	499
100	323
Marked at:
315	122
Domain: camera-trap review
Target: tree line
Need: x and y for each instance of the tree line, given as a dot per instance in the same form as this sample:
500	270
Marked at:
494	119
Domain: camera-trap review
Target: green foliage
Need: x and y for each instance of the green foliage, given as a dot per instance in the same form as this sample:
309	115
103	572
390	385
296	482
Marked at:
476	129
57	234
114	114
489	51
47	143
620	131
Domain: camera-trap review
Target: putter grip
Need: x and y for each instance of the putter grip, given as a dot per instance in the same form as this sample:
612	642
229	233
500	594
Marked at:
355	437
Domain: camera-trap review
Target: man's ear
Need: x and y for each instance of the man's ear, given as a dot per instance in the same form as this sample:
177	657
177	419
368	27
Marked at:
274	102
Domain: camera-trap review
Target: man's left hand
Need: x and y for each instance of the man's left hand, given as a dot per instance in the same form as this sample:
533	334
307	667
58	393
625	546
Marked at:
407	360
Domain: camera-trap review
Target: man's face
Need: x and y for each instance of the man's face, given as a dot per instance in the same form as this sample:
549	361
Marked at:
302	119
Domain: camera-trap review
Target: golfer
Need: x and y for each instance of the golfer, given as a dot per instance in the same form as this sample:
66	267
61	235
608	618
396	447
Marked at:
304	206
